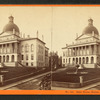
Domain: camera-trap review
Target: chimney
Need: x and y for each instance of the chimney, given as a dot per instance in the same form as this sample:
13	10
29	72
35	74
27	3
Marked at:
37	33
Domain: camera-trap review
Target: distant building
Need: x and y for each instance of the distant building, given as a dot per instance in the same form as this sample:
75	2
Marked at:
16	50
86	49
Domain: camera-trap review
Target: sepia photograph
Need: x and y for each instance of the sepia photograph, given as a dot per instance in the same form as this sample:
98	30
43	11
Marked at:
49	48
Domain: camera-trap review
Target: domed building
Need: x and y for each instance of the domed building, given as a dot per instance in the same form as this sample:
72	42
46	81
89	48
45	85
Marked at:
18	50
86	49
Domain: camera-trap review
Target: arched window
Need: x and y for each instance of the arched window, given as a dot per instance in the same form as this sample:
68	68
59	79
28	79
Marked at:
26	56
12	58
66	60
76	60
73	60
63	60
7	58
22	48
83	60
31	63
87	60
0	59
79	60
3	58
22	57
92	60
69	60
26	47
32	47
27	64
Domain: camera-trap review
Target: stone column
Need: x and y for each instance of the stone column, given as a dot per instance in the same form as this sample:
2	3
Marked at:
68	52
75	52
10	46
85	50
2	48
81	50
99	49
16	47
71	51
9	58
95	49
6	47
78	51
15	56
89	60
90	50
95	59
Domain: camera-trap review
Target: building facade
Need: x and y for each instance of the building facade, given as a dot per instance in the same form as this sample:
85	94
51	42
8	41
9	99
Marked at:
20	51
85	50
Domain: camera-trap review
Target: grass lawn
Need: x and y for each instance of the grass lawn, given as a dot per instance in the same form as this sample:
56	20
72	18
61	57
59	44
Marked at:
14	72
62	76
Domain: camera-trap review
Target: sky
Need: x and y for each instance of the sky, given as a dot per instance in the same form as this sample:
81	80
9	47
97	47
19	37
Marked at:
63	22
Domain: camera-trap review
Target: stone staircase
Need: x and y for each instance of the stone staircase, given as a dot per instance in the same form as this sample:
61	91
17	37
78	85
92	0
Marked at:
20	65
1	65
89	65
10	64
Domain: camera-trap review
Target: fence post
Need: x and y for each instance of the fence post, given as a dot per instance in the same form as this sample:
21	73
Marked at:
1	79
81	80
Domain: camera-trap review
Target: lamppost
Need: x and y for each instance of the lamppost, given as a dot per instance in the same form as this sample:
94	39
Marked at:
51	40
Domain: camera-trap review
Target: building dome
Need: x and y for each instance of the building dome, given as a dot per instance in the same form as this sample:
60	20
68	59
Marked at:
90	28
11	26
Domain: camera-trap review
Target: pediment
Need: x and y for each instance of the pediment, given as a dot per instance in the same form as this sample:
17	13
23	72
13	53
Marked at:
83	36
5	34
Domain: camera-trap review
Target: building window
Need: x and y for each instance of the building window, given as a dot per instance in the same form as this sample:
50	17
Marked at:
12	58
83	60
63	54
22	48
76	60
32	47
0	59
63	60
27	57
22	57
31	63
26	64
32	56
92	60
69	60
26	47
7	59
3	58
87	59
79	60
